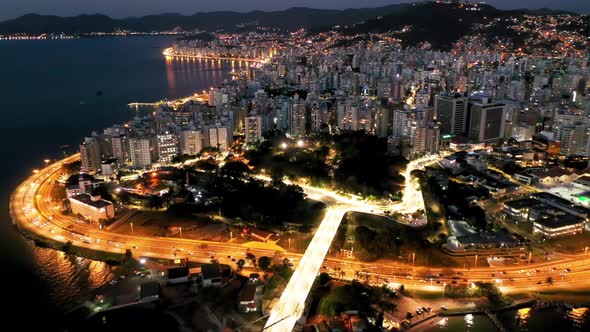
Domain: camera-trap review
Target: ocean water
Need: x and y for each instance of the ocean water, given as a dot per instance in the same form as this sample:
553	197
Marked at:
49	100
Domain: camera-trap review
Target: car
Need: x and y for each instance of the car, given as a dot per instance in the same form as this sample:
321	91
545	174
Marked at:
566	270
539	282
113	282
442	307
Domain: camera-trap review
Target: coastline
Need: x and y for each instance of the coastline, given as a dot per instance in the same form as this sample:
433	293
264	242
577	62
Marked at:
110	258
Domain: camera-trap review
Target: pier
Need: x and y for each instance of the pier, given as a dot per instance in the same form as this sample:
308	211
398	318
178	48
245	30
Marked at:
205	57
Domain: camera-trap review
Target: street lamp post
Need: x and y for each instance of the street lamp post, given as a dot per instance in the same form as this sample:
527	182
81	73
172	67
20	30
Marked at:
180	229
289	244
131	226
475	262
530	255
585	250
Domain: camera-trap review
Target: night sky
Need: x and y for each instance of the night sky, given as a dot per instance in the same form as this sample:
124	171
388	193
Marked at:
123	8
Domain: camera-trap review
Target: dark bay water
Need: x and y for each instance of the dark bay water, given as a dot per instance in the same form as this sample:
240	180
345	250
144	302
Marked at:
48	99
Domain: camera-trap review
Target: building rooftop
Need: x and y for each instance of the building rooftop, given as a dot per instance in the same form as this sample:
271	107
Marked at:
87	199
553	172
560	220
561	201
522	203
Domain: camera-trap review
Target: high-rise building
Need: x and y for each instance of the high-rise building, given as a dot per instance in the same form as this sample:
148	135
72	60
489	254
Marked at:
191	142
487	120
432	139
218	137
90	155
167	144
451	112
139	149
253	129
297	118
574	140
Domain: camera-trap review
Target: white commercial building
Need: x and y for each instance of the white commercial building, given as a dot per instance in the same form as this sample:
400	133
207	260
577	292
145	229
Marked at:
92	207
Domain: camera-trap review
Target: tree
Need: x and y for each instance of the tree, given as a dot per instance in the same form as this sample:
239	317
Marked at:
67	247
206	165
324	279
549	281
235	170
379	320
264	263
240	264
155	202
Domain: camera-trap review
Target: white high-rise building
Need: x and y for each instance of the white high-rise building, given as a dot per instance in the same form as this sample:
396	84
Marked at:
253	129
167	146
90	155
191	142
139	149
219	137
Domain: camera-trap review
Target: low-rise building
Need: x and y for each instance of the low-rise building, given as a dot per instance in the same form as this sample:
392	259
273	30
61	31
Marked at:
558	225
211	274
92	207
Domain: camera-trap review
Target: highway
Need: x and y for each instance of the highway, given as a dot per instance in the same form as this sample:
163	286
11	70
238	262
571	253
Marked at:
33	210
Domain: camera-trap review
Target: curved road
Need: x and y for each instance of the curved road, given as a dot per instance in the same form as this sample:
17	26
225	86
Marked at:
32	209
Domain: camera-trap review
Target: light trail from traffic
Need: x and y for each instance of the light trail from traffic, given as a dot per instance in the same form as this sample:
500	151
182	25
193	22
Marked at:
32	209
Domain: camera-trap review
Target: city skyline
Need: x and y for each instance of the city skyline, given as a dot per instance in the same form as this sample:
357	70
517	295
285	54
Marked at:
379	169
129	8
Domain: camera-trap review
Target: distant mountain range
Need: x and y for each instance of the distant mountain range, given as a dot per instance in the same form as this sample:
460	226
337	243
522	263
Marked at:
290	20
440	24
